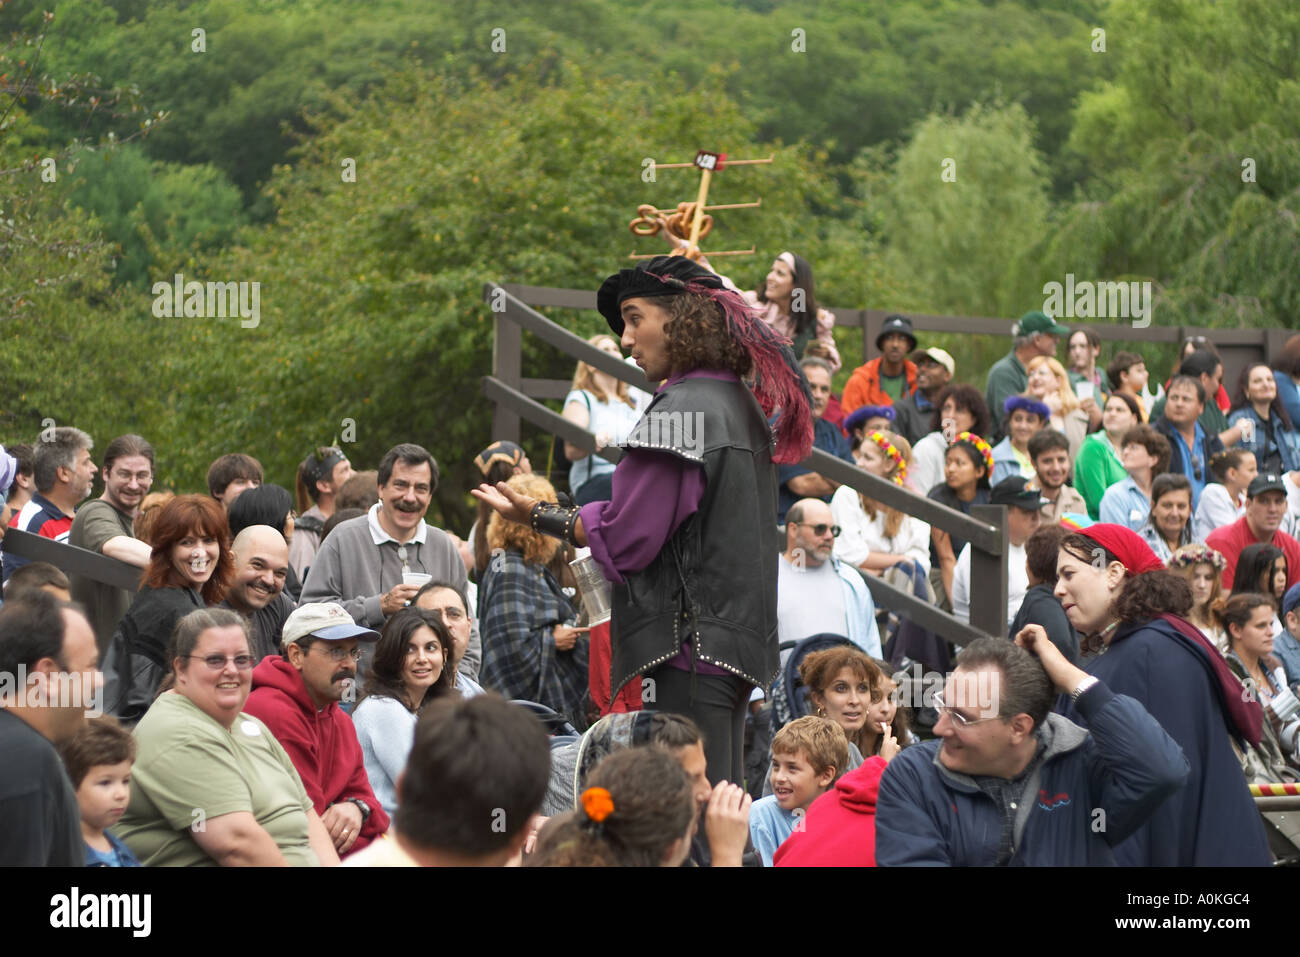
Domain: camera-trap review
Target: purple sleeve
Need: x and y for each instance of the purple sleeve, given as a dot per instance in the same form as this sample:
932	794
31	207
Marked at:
653	493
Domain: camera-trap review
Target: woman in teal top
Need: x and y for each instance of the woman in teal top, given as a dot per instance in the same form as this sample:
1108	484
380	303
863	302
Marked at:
1098	466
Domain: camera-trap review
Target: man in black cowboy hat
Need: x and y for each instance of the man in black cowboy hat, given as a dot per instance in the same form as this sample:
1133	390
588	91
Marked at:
889	377
692	565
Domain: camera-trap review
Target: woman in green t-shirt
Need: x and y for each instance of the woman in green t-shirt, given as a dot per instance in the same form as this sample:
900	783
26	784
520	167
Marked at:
210	785
1098	466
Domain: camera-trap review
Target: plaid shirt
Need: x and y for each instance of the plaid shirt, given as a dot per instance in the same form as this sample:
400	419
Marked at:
519	604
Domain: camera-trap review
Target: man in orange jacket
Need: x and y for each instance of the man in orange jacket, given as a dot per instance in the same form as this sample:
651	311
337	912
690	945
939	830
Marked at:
889	378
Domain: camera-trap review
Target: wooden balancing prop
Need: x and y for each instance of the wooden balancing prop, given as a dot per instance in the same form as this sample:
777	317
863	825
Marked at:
691	222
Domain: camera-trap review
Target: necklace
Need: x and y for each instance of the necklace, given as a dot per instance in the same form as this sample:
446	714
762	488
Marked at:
1104	636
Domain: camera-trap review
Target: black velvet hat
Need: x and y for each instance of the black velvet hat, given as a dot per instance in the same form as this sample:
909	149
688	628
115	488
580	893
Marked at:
660	276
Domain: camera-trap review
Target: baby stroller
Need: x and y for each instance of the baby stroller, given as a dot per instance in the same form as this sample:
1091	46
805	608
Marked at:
556	724
789	696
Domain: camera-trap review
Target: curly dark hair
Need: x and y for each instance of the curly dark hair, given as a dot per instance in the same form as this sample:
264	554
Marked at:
697	338
965	397
1142	597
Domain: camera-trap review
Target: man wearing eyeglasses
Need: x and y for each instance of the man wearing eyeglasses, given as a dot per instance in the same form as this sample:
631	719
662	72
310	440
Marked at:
1192	446
374	565
1008	783
817	593
296	695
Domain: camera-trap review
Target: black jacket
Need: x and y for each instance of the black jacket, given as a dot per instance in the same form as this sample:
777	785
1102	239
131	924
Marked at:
714	582
1041	607
136	661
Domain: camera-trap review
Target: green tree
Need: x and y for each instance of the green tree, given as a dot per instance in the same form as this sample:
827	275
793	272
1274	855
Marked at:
372	304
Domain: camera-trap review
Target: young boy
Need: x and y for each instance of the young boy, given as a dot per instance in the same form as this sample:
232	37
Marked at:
808	754
98	759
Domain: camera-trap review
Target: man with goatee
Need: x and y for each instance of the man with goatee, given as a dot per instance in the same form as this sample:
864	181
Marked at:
257	593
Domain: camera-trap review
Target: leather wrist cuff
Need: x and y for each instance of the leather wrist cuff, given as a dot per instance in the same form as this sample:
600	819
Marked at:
554	520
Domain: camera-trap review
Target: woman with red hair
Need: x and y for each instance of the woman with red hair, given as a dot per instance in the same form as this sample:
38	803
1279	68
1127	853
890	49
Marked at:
190	567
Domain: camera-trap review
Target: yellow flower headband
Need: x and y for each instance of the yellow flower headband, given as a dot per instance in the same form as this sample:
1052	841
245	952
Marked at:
892	452
984	448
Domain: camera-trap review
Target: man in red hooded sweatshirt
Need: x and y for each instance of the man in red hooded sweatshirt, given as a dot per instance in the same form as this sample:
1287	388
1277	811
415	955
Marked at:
296	695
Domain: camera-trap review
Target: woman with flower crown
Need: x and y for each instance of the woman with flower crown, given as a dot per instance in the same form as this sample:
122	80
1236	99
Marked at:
872	536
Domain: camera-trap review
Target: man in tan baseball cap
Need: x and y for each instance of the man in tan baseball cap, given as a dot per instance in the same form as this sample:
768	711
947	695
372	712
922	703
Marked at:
913	415
296	695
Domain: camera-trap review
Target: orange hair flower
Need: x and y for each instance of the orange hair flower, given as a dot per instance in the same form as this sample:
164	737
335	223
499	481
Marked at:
598	803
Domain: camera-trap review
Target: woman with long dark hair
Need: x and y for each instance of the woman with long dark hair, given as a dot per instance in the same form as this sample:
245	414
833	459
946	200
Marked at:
787	302
413	665
1132	614
190	567
967	465
959	408
1249	617
1261	568
1267	430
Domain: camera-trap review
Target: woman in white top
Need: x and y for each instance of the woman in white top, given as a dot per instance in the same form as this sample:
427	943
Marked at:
959	408
1203	568
874	537
602	405
1223	501
408	671
1049	384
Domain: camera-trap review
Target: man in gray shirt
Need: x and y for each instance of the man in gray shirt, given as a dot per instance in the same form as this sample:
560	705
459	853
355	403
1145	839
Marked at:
107	526
366	563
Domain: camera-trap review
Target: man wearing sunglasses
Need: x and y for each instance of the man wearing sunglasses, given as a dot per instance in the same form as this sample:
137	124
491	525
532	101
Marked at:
817	593
1008	783
296	695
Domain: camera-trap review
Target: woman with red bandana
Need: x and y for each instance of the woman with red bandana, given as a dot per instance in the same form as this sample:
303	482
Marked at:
1132	612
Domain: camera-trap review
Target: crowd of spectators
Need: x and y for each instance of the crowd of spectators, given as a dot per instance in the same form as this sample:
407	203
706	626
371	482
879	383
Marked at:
322	676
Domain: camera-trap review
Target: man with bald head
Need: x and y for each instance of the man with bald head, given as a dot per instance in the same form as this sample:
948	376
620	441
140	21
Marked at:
257	593
816	593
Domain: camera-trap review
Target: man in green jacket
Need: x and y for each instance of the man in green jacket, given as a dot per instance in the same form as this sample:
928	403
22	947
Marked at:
1034	335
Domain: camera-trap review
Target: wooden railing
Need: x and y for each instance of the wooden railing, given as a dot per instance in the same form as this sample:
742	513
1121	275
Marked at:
515	399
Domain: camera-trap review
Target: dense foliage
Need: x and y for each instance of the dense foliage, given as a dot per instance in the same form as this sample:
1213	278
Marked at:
499	141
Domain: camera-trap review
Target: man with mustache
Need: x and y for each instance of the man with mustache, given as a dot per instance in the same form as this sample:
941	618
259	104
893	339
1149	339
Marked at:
257	593
297	697
374	565
107	526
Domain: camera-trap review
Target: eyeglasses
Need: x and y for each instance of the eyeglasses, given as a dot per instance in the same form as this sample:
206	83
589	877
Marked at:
958	719
338	654
218	662
820	530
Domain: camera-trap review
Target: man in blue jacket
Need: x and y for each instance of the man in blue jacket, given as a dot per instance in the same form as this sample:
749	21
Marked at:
1008	783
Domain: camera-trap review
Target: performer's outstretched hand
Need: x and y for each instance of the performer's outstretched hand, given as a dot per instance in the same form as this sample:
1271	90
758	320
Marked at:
506	501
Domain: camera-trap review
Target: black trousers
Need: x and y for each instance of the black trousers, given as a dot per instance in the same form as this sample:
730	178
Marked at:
718	705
